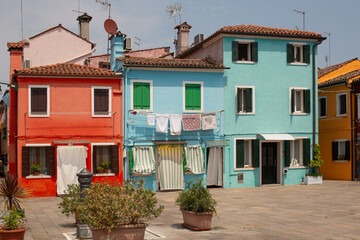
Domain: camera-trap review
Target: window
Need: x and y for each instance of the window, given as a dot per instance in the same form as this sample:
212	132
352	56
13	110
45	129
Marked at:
105	153
142	160
141	92
341	150
244	51
298	53
4	133
101	106
341	104
246	153
245	100
43	155
322	106
297	152
193	96
39	101
300	100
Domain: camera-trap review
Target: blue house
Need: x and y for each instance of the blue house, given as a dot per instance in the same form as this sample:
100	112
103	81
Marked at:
270	115
173	119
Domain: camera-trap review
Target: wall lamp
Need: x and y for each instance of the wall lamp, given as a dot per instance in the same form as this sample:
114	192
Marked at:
14	86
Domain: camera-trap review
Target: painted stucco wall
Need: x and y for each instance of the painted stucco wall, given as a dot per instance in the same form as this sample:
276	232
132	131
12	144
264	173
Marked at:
333	128
272	78
214	50
57	46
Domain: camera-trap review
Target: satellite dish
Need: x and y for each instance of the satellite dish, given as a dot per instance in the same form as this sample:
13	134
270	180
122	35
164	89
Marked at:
110	26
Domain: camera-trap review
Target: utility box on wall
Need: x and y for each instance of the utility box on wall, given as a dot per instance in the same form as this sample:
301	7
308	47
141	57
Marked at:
240	178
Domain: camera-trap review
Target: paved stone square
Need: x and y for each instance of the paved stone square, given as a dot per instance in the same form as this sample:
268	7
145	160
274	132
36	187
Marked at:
328	211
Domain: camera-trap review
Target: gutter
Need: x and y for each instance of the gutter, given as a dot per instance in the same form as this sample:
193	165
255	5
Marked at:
315	82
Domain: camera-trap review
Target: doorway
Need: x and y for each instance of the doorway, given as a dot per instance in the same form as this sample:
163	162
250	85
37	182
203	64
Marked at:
214	170
269	163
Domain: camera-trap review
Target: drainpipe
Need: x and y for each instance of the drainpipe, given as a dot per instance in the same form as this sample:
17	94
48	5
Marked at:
352	126
314	92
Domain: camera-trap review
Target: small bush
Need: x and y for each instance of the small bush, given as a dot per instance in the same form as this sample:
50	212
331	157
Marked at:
71	199
13	219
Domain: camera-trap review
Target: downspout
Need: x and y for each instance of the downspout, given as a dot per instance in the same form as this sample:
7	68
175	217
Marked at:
352	126
314	92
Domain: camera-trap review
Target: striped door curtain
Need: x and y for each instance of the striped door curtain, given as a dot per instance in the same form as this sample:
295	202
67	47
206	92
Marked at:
171	170
195	159
144	160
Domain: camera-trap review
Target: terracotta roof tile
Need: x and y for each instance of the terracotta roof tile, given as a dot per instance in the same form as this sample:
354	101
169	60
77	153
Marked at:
340	78
19	45
169	62
324	71
66	69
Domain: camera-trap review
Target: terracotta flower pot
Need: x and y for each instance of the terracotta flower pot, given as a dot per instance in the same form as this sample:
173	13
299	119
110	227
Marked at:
36	173
125	232
106	170
197	221
12	234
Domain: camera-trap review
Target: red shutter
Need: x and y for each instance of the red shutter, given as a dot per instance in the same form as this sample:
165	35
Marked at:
50	160
25	161
115	158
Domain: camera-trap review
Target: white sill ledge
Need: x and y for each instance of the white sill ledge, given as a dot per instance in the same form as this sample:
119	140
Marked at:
38	176
245	169
298	64
297	167
245	62
103	174
299	114
245	113
340	161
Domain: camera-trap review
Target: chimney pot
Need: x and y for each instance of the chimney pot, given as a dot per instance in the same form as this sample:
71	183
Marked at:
182	41
84	25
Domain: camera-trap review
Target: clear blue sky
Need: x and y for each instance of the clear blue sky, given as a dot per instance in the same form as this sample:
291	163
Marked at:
148	20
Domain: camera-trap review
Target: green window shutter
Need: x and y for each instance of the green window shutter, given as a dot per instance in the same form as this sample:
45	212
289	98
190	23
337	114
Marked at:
306	51
306	151
240	153
192	96
131	161
235	51
248	100
287	153
254	51
141	95
292	100
335	150
290	53
238	99
255	153
307	101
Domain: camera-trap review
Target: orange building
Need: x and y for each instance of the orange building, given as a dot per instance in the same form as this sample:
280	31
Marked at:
338	117
67	116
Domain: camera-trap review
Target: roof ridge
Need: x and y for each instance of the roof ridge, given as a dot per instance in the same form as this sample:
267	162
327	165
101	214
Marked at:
324	71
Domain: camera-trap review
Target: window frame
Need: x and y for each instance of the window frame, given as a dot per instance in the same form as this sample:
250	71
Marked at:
319	107
38	145
302	101
339	148
132	94
301	45
104	144
252	97
248	42
201	97
47	114
250	167
301	152
93	101
338	105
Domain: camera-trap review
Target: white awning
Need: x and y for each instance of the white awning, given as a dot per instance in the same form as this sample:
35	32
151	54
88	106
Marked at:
276	137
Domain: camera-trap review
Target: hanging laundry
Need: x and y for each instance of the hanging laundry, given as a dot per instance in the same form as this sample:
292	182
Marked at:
162	123
142	112
150	119
175	124
191	122
208	121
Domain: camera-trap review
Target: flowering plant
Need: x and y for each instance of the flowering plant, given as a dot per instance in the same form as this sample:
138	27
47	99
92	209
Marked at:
35	167
13	219
316	162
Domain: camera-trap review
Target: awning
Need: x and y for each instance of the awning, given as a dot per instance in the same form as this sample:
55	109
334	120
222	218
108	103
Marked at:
5	98
276	137
217	143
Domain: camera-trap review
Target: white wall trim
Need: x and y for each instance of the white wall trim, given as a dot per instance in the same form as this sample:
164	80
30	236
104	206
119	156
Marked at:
47	100
253	101
279	160
302	101
338	105
132	94
93	99
38	144
202	96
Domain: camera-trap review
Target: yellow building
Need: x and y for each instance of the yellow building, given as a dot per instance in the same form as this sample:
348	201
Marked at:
337	120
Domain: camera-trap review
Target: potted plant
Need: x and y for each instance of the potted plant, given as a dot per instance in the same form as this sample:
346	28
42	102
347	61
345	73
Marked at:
118	212
341	157
12	225
35	167
99	169
315	177
105	165
197	206
70	200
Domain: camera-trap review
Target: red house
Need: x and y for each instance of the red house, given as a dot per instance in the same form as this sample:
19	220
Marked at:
65	117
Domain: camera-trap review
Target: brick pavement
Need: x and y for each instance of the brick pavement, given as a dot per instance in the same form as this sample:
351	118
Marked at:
328	211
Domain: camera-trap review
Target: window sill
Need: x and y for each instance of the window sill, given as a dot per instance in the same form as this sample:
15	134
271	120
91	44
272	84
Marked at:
245	62
141	174
299	114
38	176
103	174
141	110
193	111
298	64
245	169
341	161
39	116
297	167
250	113
342	115
101	116
322	117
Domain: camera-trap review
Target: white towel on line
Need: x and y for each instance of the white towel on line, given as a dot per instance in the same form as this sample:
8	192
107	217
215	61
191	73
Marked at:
175	124
150	119
162	123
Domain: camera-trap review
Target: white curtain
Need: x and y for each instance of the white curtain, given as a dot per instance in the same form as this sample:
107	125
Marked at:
214	169
195	159
144	160
70	161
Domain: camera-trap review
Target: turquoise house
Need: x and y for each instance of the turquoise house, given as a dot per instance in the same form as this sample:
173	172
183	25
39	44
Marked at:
270	117
173	119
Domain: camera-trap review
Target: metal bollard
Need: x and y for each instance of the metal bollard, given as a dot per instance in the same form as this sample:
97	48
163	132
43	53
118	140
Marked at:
83	231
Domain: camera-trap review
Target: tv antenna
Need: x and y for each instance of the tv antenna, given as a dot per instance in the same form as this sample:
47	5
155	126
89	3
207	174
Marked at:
139	41
328	33
173	10
303	13
106	4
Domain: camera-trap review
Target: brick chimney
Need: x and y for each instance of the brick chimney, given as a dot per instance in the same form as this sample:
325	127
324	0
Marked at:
116	49
84	25
182	41
16	56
